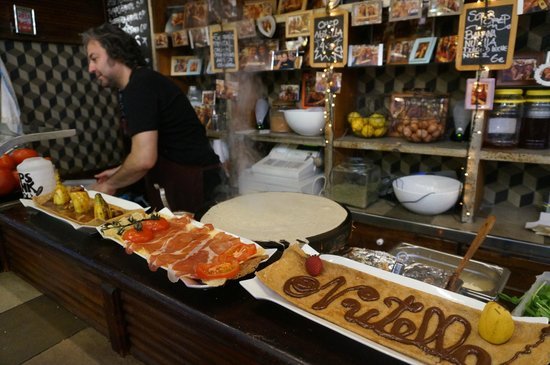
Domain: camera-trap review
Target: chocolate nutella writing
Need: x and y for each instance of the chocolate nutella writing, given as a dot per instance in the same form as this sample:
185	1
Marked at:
392	325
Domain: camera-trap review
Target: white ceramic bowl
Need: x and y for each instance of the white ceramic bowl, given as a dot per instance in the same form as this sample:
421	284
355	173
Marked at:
306	122
427	194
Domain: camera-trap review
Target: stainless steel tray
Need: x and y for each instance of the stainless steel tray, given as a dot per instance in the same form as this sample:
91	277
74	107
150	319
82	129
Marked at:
480	280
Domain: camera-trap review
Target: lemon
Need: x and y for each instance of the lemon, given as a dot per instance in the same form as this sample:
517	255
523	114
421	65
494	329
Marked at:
367	131
379	132
495	324
377	120
353	115
357	124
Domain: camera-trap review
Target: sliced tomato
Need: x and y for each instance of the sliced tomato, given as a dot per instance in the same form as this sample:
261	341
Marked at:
134	235
156	224
239	252
217	270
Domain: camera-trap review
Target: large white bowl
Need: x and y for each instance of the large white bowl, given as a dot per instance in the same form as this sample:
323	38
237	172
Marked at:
306	122
427	194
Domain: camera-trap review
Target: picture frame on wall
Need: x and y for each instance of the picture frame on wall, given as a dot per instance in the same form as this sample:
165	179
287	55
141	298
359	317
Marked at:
298	24
194	66
246	28
422	50
290	6
161	40
180	38
255	9
444	8
366	12
24	19
198	37
479	94
179	65
311	97
522	70
446	49
399	51
404	10
365	55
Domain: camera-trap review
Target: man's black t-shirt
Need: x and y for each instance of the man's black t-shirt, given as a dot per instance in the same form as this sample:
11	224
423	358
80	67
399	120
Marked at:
153	102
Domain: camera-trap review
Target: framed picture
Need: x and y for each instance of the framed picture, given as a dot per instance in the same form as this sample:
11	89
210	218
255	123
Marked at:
198	37
289	6
194	66
322	84
176	19
479	94
267	25
531	6
180	38
196	13
209	97
399	51
230	11
310	96
25	22
446	49
161	40
256	55
443	8
297	24
246	28
405	9
179	65
289	93
284	60
522	71
255	9
366	12
366	55
422	50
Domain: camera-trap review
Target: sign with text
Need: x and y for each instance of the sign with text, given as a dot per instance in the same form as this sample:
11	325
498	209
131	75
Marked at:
132	16
223	48
329	40
487	35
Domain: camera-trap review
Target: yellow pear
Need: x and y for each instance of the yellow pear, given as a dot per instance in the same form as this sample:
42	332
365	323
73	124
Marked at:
495	324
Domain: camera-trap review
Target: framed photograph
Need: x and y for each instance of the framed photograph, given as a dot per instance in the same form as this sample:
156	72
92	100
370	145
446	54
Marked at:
522	71
322	84
255	9
267	25
198	37
422	50
25	22
180	38
399	51
176	19
289	93
161	40
310	96
284	60
209	97
289	6
246	29
531	6
196	13
366	55
405	9
479	94
366	12
297	24
256	55
179	65
230	11
446	49
443	8
194	66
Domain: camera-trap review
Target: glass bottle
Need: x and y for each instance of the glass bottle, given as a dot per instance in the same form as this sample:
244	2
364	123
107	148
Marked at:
535	126
503	125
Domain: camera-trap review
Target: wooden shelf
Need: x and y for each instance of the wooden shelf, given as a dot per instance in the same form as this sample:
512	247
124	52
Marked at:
516	155
396	144
274	137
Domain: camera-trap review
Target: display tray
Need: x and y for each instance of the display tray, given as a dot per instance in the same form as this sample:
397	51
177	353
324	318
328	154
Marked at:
259	291
88	226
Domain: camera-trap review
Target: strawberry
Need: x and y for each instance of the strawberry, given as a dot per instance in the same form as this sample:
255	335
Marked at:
314	265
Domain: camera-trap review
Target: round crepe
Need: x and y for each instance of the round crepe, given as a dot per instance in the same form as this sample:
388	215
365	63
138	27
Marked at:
276	216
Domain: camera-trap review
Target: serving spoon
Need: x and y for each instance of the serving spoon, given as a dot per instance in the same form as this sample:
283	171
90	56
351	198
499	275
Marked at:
483	231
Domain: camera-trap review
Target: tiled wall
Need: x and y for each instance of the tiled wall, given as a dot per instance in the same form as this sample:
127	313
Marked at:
55	91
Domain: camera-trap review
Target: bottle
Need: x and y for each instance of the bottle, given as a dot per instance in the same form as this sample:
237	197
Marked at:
535	125
503	125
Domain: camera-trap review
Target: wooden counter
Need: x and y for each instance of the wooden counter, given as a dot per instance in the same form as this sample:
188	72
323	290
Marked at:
159	322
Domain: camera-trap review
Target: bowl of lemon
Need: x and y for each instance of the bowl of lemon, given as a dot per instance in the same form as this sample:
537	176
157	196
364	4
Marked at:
374	126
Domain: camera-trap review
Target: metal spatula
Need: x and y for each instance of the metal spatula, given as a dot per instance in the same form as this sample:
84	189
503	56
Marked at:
478	240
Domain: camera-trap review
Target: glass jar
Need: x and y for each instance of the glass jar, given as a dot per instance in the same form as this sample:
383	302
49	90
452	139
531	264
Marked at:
355	182
503	125
535	125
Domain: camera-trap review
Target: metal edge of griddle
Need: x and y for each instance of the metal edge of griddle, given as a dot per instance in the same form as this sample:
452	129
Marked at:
503	245
33	137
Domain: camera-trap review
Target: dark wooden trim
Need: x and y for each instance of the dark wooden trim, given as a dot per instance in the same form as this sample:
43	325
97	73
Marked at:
115	318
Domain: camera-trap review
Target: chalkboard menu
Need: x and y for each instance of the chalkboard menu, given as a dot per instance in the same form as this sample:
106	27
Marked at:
329	40
132	16
487	35
223	48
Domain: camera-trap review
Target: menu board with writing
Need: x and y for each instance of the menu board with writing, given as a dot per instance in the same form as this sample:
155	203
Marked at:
223	48
487	35
329	40
132	16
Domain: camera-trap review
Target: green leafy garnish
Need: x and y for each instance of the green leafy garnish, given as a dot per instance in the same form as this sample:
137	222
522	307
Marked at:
539	304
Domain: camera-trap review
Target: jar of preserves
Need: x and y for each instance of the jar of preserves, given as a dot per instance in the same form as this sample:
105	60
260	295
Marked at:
355	182
503	125
535	125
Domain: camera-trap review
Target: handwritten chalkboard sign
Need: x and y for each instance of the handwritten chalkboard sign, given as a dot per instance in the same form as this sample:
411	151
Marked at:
223	48
487	35
132	16
329	40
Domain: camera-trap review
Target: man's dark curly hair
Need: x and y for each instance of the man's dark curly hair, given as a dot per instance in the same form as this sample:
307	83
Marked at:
119	45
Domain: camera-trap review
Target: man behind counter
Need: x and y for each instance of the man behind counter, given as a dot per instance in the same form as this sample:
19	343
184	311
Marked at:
169	144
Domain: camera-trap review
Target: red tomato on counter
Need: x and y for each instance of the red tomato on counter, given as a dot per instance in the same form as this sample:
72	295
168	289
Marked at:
6	162
21	154
7	182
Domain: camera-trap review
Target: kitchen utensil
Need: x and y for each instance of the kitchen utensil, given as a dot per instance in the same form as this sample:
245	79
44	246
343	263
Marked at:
478	240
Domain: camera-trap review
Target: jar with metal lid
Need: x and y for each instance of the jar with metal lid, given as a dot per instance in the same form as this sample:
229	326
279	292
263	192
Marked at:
355	182
535	125
503	125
